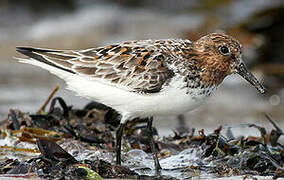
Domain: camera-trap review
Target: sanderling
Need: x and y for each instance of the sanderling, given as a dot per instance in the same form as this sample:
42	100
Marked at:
147	78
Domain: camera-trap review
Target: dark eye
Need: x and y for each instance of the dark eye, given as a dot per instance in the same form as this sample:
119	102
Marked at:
224	50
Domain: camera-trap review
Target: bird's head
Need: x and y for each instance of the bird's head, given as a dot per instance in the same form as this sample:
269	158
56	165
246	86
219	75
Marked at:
221	55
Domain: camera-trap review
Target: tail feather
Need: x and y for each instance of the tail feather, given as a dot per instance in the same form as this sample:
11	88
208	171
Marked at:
34	54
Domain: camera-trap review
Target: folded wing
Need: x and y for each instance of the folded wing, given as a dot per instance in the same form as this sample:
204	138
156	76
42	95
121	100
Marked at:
133	66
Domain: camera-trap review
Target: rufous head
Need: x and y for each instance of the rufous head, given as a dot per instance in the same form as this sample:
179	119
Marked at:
221	55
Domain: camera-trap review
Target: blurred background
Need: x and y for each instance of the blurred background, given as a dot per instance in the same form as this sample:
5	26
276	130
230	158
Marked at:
79	24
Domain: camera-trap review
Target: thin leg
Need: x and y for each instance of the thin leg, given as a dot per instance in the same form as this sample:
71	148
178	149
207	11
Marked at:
182	126
152	144
119	132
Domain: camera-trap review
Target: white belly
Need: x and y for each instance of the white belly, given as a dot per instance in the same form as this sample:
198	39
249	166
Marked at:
172	100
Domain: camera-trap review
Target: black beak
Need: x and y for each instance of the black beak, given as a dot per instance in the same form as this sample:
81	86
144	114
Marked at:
242	70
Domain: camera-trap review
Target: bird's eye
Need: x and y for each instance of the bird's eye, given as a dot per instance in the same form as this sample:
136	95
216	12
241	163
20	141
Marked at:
224	50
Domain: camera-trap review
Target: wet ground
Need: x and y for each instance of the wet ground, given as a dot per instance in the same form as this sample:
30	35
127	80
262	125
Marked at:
25	87
63	141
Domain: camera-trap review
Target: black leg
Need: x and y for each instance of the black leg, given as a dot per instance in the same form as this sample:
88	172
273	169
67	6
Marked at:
152	144
119	132
182	126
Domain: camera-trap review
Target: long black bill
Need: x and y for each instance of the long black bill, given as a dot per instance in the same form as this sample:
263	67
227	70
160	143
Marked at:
245	73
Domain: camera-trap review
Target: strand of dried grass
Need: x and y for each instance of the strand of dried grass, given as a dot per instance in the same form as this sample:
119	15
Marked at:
13	149
48	100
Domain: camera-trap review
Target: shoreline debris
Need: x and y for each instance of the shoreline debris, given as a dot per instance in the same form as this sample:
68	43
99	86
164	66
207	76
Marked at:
68	142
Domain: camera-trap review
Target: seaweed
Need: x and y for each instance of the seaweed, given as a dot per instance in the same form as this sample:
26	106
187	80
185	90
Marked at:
79	143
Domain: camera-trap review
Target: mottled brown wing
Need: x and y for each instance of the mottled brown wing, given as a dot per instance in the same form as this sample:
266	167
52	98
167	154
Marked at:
135	66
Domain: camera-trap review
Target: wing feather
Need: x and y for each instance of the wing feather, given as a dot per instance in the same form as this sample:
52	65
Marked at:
138	67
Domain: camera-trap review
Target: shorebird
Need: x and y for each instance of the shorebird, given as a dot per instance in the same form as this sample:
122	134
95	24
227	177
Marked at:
147	78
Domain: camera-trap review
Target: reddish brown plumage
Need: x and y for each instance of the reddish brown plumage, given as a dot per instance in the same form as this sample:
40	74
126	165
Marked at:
147	65
216	66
